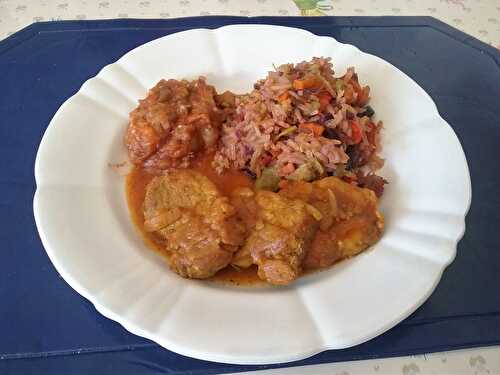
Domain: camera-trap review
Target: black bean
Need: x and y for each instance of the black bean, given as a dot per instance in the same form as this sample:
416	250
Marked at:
354	153
250	173
367	112
331	133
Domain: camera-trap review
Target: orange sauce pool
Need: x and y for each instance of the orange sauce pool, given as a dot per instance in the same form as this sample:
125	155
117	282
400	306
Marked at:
135	188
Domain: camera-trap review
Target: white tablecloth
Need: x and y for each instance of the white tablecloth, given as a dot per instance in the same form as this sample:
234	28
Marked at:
479	18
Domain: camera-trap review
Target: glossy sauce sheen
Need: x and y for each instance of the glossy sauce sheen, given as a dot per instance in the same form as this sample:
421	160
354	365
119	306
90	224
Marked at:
136	183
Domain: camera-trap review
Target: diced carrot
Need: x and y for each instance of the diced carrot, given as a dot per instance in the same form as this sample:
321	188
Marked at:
284	96
307	83
312	127
356	132
370	125
324	99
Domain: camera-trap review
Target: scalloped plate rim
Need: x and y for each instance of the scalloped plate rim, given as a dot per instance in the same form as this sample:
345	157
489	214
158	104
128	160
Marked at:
171	345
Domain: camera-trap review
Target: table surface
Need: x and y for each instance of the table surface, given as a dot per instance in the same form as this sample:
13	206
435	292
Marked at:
479	18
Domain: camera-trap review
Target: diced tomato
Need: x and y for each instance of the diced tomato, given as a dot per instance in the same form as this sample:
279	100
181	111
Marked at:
312	127
324	99
356	132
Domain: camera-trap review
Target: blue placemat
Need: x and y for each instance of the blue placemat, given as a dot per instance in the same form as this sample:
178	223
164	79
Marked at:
46	327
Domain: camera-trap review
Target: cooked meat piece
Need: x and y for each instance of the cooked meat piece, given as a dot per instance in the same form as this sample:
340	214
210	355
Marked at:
243	200
175	121
372	182
198	225
279	237
350	220
226	100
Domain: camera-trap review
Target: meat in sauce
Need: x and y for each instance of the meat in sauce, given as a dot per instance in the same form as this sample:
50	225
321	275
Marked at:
280	233
177	120
197	224
305	226
350	220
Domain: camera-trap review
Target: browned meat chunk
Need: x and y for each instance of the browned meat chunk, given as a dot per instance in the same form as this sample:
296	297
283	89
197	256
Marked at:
350	220
373	182
175	121
281	230
198	225
243	199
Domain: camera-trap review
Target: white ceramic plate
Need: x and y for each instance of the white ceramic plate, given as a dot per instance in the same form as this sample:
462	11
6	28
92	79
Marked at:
84	224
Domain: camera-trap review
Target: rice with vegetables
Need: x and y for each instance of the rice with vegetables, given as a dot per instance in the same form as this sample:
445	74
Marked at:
302	123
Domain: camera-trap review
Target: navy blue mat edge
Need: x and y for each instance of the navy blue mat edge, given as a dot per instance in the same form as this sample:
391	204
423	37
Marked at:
365	21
